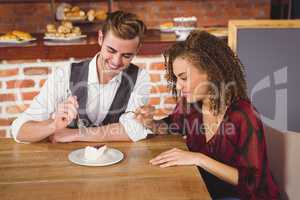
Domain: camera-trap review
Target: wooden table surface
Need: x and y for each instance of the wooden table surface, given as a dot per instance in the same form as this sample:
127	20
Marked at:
43	171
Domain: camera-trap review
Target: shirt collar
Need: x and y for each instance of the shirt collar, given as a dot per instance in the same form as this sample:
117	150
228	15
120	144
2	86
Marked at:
93	74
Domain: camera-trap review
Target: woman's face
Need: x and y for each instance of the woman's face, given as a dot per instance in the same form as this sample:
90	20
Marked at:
191	81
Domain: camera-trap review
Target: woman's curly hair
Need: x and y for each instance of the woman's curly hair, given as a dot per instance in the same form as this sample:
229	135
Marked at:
211	54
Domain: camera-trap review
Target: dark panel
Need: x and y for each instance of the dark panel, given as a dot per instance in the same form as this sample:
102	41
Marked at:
271	58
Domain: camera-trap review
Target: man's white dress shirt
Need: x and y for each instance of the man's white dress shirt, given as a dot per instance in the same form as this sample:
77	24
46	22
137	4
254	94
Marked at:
99	100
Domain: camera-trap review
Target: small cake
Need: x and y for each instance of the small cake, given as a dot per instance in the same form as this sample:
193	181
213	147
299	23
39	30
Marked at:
93	153
166	26
185	22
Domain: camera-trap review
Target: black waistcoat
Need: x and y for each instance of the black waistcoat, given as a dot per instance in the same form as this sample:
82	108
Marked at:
79	88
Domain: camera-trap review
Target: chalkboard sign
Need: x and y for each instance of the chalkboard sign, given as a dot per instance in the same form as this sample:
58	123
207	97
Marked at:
270	52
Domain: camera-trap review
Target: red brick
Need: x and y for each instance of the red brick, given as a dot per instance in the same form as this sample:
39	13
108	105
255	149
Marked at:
7	97
170	100
25	20
19	83
8	72
155	77
37	70
6	121
20	61
157	66
29	95
16	109
163	10
42	82
160	89
154	101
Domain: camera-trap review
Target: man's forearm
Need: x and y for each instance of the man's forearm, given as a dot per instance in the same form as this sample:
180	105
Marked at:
110	132
33	131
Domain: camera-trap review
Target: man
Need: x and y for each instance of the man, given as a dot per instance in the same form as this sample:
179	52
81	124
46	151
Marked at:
102	93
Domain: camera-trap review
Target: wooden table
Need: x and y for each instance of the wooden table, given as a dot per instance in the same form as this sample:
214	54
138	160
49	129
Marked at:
43	171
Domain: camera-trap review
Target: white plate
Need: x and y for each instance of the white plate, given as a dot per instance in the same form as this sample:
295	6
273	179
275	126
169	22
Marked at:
17	41
110	156
64	38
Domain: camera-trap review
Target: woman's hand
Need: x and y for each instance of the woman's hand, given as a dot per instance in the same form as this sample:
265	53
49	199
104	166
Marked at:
144	115
175	157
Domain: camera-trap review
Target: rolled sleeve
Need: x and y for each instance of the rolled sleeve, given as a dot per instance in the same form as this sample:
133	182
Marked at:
44	103
133	128
139	97
16	125
37	111
29	115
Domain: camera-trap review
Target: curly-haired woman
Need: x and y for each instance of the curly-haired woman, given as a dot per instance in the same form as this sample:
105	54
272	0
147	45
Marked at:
224	133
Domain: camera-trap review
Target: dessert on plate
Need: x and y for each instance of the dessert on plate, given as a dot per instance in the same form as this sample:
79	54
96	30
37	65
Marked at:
94	153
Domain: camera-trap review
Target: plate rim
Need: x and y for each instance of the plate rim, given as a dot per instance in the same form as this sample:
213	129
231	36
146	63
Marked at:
95	164
64	39
17	41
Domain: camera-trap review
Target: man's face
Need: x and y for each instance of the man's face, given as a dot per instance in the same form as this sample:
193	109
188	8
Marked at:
117	53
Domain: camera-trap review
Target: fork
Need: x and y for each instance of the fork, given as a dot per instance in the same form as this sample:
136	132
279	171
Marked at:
79	122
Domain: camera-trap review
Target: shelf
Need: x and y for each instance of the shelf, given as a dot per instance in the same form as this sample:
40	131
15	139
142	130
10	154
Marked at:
24	1
153	44
48	1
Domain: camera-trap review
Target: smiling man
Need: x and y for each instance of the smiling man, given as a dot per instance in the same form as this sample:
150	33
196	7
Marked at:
93	100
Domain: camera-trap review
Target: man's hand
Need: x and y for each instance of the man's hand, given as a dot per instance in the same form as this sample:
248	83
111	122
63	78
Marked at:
144	115
65	113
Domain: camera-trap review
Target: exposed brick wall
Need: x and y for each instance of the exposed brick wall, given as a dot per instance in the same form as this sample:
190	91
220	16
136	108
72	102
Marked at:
208	12
19	83
33	17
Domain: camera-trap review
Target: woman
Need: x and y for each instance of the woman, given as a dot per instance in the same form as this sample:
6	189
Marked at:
224	133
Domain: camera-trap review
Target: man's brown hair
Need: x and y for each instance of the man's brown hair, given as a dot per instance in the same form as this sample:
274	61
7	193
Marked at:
124	25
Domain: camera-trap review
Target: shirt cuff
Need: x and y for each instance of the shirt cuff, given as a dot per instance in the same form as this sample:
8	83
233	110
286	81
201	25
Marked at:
15	128
135	130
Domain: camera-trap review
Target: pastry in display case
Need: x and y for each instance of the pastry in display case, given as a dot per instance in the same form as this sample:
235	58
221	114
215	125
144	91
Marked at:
166	27
183	26
16	36
69	12
64	31
93	15
185	22
66	11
